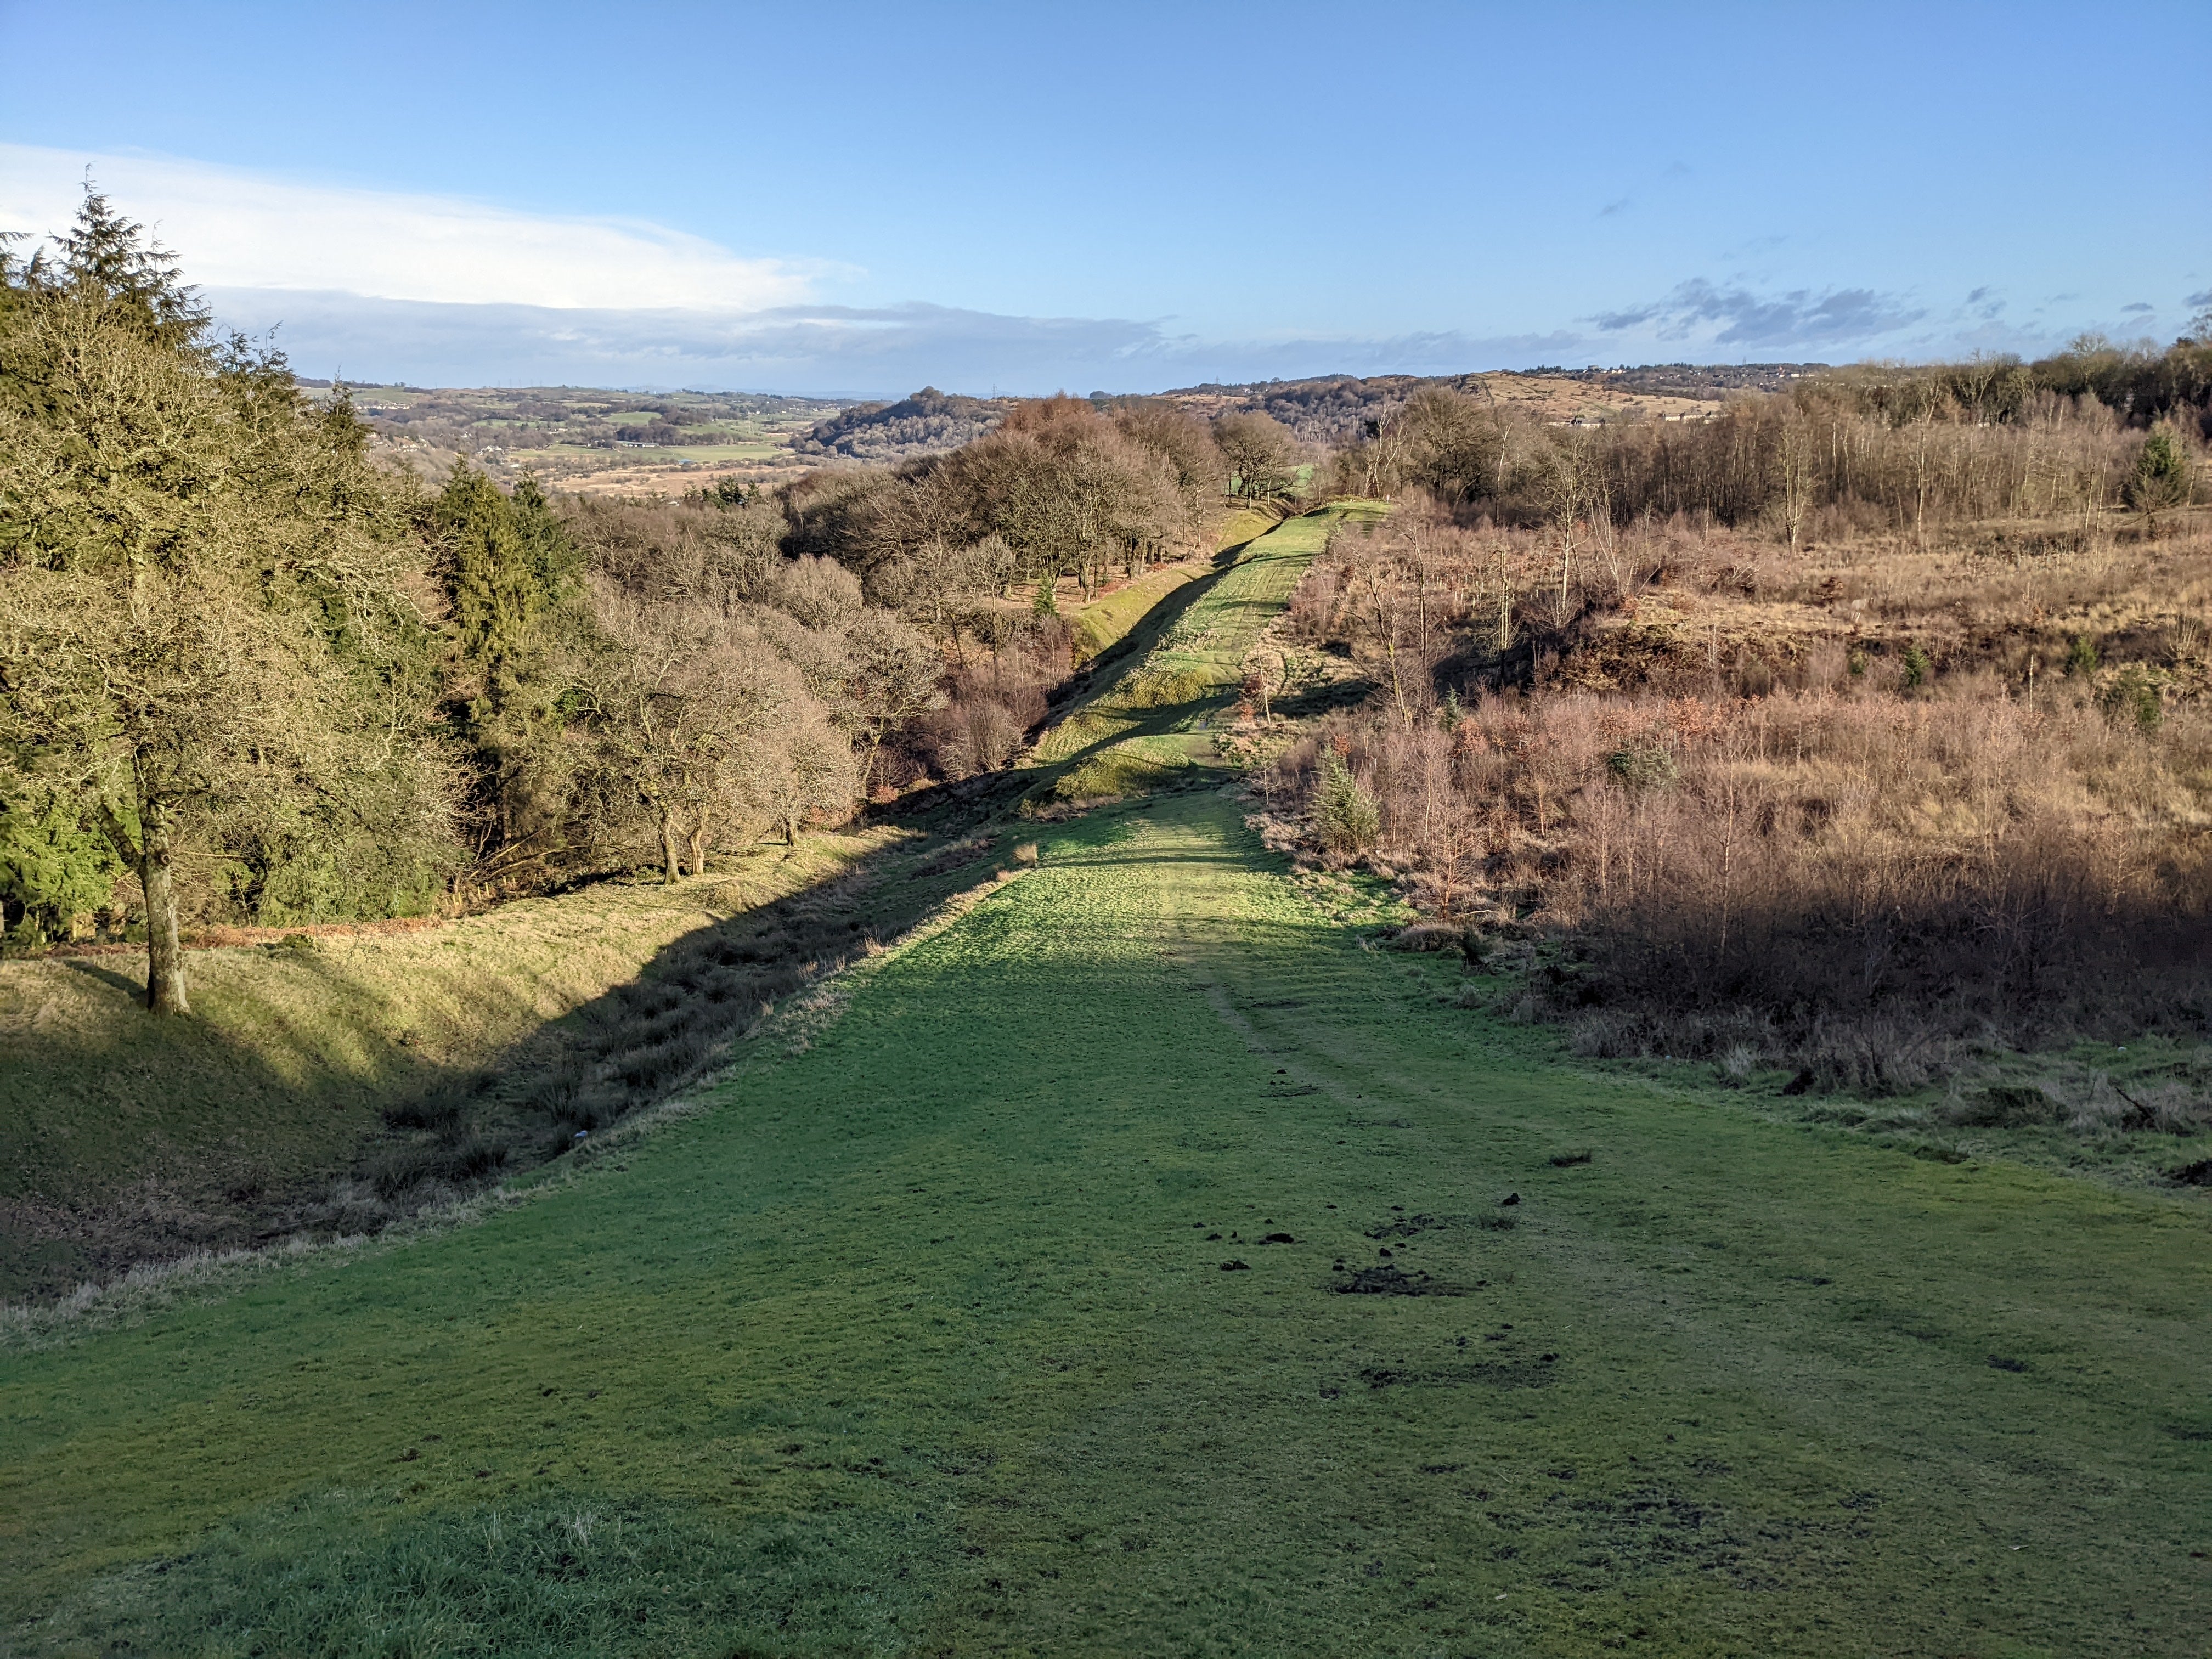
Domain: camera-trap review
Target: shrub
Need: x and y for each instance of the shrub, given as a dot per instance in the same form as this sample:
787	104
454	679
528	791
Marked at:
2134	696
1643	765
2159	480
1346	814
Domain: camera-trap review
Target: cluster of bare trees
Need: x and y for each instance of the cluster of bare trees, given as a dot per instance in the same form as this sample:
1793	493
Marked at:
746	689
1846	451
1059	486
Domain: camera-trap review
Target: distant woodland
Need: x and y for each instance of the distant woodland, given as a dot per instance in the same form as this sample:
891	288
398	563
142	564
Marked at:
925	423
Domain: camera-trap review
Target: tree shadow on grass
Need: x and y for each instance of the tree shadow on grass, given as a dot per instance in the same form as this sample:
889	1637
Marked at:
133	988
139	1140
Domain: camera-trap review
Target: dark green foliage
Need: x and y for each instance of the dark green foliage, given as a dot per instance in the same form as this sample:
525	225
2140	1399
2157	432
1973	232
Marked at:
53	868
2133	697
1345	810
1915	668
2160	480
508	563
2082	656
107	252
1643	765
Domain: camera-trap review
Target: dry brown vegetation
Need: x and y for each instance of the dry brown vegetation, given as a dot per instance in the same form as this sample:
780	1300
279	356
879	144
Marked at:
1862	788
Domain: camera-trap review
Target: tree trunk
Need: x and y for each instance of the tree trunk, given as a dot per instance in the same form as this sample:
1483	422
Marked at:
150	853
698	839
165	955
671	861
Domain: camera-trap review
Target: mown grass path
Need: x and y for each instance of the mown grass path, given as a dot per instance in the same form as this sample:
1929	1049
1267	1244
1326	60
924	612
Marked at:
1183	665
921	1341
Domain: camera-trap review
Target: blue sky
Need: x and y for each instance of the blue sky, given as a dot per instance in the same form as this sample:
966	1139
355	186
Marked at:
855	199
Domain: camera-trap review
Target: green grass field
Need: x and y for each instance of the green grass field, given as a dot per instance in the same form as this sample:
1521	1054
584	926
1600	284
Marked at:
1143	1263
1131	1269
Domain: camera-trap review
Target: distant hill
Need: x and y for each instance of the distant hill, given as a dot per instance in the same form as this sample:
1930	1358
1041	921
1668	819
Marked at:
1330	409
927	422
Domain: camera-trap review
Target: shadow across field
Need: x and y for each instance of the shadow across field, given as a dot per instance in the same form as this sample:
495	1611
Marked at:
300	1100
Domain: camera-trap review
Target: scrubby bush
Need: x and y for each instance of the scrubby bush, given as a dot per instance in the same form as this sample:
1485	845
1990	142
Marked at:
1346	815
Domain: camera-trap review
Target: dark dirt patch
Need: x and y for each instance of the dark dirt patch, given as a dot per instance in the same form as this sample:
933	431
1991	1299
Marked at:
1406	1226
1489	1374
1391	1281
1652	1528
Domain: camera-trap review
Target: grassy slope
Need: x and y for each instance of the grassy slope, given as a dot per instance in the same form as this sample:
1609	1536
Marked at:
292	1054
1104	624
918	1342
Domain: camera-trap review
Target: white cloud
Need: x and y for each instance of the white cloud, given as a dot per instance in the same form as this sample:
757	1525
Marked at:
825	351
242	230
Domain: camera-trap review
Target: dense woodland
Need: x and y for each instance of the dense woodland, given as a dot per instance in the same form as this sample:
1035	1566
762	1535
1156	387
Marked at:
925	423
